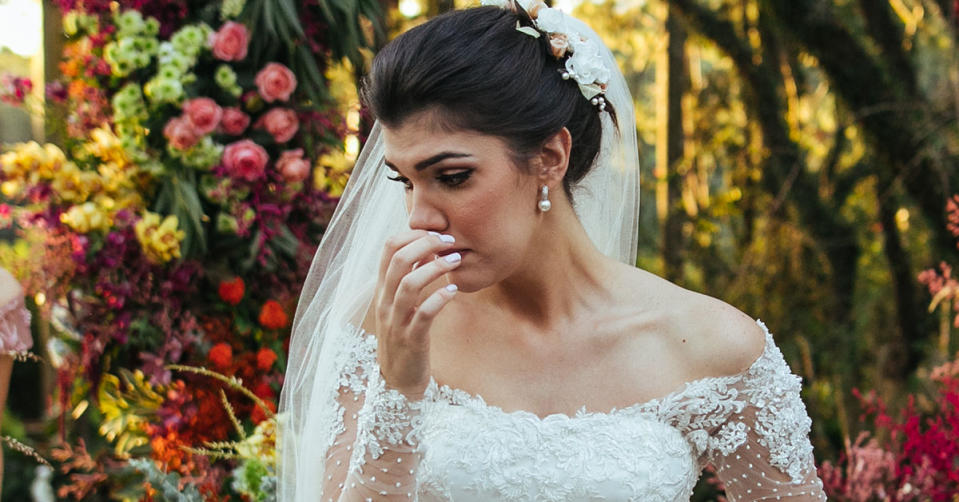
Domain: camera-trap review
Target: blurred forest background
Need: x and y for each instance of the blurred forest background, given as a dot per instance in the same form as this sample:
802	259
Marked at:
798	159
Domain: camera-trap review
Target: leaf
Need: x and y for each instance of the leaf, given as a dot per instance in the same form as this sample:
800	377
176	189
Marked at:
288	8
285	242
267	18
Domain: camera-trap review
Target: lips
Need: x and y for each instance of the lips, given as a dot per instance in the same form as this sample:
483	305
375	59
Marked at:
462	252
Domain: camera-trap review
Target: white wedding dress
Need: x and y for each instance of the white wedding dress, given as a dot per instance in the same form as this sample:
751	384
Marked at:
752	427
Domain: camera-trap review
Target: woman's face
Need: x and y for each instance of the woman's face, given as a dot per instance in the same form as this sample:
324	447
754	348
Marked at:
466	184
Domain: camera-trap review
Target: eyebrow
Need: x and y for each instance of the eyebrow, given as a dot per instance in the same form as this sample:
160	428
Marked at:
423	164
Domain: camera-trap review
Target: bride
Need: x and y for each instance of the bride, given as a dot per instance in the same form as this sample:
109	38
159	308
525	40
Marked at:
473	329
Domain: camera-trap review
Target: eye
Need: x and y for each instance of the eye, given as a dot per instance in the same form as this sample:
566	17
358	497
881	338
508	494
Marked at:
401	179
455	179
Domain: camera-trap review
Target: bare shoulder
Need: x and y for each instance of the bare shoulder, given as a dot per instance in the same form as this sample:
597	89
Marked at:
709	336
727	340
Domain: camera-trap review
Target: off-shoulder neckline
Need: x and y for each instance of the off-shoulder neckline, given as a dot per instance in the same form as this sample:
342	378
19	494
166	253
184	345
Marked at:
454	395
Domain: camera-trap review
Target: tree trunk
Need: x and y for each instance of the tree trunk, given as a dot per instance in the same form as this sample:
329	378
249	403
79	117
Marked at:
670	149
906	351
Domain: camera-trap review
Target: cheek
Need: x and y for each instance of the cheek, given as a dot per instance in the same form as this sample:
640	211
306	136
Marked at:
502	218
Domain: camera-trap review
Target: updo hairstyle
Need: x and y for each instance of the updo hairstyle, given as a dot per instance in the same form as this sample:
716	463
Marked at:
480	73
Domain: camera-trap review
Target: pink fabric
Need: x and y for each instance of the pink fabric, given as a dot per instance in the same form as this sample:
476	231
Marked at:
15	327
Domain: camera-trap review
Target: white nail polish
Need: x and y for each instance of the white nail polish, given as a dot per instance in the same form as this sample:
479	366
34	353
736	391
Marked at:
447	238
435	234
451	288
453	257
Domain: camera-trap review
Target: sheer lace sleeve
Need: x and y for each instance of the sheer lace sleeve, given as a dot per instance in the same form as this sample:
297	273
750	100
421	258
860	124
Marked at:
15	327
375	449
753	429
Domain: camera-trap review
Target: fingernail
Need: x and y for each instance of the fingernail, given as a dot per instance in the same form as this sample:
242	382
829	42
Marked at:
437	234
447	238
451	288
453	257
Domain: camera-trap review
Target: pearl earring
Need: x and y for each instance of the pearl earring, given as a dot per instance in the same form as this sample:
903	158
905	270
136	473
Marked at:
544	203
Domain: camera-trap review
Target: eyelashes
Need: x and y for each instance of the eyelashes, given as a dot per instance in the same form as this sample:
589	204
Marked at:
451	180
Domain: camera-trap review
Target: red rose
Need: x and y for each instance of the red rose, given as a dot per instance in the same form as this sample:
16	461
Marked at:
180	133
245	159
221	355
265	358
234	121
292	166
258	415
281	123
264	391
232	291
272	315
204	114
275	82
230	43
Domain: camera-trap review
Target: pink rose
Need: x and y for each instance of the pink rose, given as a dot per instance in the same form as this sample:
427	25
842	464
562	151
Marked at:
281	123
292	166
180	133
230	43
234	121
275	82
204	114
245	159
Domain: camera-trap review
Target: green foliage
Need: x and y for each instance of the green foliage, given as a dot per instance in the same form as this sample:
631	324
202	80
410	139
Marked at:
167	484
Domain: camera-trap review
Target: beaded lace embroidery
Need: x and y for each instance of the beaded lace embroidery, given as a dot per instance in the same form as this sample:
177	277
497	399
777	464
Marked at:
648	451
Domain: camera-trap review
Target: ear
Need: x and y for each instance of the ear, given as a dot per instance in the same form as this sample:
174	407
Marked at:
553	158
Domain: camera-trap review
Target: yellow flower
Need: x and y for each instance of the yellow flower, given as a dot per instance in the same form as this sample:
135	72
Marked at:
70	184
86	217
261	444
107	146
160	239
11	189
32	162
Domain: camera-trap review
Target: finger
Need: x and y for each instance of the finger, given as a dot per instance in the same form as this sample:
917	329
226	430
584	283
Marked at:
429	309
410	289
393	244
401	264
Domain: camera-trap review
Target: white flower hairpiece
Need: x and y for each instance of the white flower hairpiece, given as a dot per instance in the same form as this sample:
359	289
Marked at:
585	62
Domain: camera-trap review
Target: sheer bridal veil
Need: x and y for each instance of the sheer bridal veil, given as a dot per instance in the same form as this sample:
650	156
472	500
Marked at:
343	274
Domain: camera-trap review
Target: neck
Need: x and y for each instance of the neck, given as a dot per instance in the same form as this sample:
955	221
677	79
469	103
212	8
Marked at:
561	276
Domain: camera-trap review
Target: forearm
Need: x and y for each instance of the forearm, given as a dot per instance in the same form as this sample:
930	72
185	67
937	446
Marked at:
386	453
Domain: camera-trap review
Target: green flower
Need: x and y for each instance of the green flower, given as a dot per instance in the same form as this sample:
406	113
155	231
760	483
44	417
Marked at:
150	45
169	72
226	224
190	40
129	23
152	27
128	103
225	76
70	23
178	61
229	9
163	90
203	155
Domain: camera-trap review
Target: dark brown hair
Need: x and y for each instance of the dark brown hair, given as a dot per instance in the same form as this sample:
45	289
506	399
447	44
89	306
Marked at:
481	74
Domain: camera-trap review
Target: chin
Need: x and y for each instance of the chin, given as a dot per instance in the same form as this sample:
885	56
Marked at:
467	283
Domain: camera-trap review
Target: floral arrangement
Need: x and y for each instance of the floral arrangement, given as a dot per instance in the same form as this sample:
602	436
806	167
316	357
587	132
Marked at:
912	456
174	226
909	457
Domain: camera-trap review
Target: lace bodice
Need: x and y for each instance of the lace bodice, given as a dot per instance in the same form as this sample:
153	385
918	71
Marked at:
15	327
752	427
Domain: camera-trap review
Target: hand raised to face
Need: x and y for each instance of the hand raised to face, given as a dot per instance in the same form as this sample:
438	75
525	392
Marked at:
411	261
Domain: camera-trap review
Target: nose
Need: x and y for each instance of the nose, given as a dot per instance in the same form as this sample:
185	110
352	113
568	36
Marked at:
424	214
